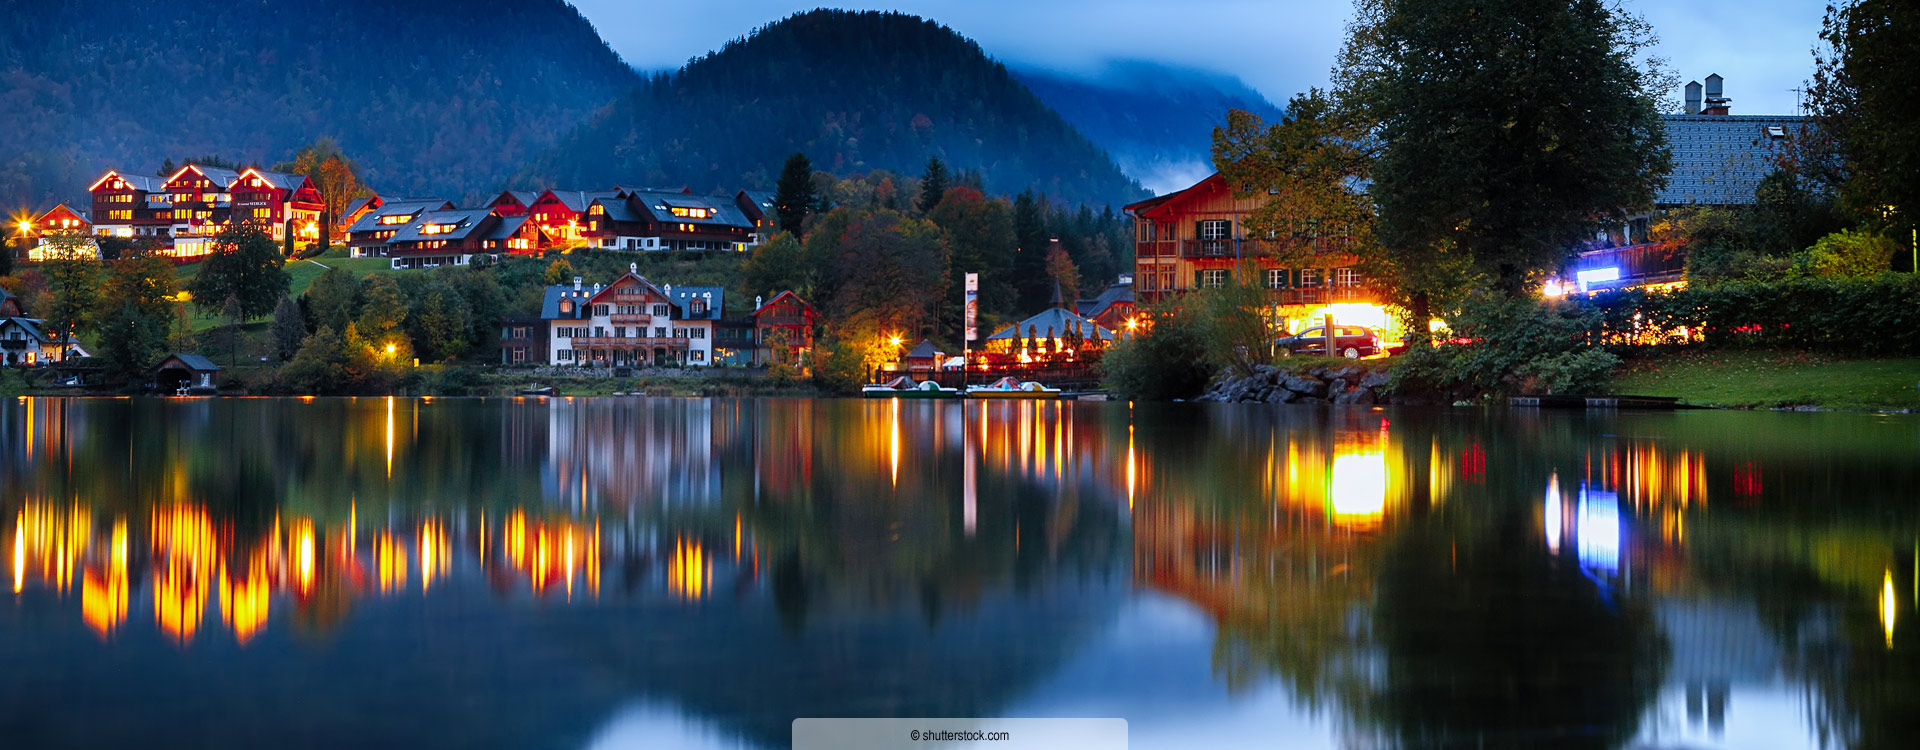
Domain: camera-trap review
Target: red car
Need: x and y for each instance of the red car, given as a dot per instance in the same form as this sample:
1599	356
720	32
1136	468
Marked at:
1352	342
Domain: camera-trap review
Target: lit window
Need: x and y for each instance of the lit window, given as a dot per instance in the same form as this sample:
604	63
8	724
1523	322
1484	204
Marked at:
1276	278
1212	278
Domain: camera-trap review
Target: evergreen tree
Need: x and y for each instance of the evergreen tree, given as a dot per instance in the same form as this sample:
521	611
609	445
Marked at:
7	245
1031	285
933	184
289	329
793	196
245	267
1867	143
1506	128
286	243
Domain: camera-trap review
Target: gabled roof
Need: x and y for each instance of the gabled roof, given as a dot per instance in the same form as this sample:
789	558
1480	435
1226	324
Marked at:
507	227
525	197
464	220
399	206
195	362
578	200
634	274
721	211
1719	160
550	305
31	326
682	295
778	297
354	206
42	219
1112	295
923	350
283	180
618	209
1054	321
221	177
1152	206
136	181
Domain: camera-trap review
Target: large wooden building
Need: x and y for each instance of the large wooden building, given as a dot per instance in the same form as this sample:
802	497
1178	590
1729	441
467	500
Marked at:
1198	238
628	323
185	211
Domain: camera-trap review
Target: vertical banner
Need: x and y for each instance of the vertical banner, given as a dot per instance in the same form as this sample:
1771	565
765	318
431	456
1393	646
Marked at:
973	306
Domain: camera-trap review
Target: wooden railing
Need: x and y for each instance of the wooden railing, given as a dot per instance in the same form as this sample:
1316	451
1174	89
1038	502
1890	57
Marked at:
630	342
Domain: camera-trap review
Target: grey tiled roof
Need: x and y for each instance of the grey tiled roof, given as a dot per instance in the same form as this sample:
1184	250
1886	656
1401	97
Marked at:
715	297
197	362
142	182
283	180
1113	293
550	306
723	211
371	221
577	200
619	210
507	226
1719	160
465	221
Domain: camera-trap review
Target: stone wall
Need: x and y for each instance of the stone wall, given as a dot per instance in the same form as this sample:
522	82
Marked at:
1333	384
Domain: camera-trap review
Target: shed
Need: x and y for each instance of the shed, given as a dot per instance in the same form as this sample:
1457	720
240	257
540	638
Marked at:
923	356
190	372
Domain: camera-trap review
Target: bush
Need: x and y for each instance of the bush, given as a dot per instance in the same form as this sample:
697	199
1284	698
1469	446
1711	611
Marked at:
1878	315
1166	362
1512	346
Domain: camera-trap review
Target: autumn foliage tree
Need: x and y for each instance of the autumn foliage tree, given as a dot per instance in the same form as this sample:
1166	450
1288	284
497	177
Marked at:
336	177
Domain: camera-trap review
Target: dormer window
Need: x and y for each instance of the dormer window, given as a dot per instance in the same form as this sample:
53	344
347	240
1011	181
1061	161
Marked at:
691	213
597	210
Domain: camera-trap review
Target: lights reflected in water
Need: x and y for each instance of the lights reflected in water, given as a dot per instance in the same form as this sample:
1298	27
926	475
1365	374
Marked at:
1887	604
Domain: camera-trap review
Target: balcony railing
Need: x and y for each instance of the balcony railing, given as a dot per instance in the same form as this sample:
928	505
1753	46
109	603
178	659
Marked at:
1323	295
630	342
631	319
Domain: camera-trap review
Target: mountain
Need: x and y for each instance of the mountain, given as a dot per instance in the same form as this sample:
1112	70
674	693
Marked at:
429	97
1156	120
855	91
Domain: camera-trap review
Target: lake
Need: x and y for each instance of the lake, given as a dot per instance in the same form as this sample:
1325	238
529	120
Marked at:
627	572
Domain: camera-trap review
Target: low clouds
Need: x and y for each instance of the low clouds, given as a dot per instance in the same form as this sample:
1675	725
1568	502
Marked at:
1276	46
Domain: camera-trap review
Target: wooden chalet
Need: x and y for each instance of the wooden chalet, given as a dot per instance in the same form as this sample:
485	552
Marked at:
514	235
373	234
662	220
784	331
562	214
58	219
1112	308
200	206
1197	238
24	342
757	207
280	201
447	237
355	209
131	205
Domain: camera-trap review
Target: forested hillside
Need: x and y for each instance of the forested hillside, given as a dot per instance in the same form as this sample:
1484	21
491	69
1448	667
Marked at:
1156	121
856	92
428	96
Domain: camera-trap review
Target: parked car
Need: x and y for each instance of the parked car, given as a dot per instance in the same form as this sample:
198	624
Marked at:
1352	342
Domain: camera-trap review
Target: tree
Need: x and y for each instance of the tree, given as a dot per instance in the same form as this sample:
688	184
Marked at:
559	272
334	299
776	265
7	245
1506	128
1065	276
979	232
73	278
933	184
1031	285
1861	99
793	196
244	266
321	366
289	329
333	175
143	281
893	269
384	309
130	340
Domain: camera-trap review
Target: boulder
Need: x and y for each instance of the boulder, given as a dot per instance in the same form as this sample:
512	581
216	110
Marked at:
1375	379
1305	385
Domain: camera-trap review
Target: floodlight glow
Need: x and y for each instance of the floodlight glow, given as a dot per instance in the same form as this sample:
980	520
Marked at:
1597	275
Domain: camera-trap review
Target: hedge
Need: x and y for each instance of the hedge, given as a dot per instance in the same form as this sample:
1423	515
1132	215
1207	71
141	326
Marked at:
1879	315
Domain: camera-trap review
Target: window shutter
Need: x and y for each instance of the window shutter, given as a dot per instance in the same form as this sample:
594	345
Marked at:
1198	228
1197	280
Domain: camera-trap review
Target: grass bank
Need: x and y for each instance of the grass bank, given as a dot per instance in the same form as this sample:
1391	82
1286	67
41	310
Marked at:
1770	379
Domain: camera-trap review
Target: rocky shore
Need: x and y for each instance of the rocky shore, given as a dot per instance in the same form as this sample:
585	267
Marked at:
1332	384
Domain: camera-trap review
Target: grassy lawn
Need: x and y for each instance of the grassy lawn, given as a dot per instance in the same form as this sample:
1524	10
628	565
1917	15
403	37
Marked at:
302	271
1769	379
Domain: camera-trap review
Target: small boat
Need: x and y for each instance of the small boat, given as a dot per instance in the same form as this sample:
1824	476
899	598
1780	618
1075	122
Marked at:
1009	387
546	391
905	387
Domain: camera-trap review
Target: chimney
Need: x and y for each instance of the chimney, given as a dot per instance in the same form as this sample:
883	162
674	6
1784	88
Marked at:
576	283
1716	101
633	268
1693	98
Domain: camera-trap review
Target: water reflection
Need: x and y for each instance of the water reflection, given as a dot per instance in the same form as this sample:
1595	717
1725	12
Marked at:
584	570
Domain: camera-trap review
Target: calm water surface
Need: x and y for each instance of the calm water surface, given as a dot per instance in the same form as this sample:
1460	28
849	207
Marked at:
698	573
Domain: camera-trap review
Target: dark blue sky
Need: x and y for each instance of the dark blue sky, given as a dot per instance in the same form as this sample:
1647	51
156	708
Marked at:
1279	47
